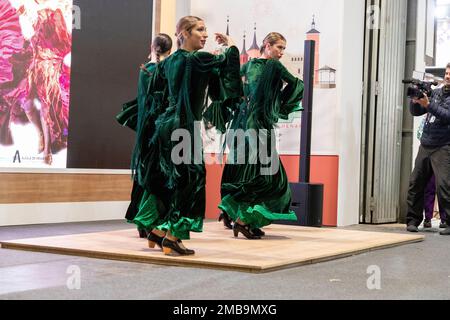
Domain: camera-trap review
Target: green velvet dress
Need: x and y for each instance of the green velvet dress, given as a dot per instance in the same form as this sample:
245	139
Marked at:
174	196
257	191
140	115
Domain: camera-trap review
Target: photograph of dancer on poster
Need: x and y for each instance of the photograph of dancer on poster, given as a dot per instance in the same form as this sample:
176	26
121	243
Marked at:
35	46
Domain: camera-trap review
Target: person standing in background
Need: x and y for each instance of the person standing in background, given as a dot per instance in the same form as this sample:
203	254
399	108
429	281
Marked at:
433	155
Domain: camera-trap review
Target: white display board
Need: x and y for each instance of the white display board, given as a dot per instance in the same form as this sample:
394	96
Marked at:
297	20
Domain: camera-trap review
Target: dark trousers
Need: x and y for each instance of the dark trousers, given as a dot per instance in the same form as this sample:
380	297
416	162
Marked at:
136	196
430	196
429	160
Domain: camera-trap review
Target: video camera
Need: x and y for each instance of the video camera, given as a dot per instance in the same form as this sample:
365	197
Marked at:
417	89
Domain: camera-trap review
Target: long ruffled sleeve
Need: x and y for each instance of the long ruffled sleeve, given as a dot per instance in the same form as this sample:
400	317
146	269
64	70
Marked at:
128	116
224	88
291	95
216	115
227	62
230	78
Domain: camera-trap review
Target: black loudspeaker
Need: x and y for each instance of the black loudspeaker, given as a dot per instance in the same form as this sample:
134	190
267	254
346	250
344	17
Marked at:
307	198
307	203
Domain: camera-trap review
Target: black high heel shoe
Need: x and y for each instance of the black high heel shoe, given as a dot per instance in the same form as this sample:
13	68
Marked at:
169	246
142	234
258	232
245	230
154	240
226	220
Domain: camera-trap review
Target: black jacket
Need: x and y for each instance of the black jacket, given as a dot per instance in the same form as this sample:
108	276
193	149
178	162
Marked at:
436	132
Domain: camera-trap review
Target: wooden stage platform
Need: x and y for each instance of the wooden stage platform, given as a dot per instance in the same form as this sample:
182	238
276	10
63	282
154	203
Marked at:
283	247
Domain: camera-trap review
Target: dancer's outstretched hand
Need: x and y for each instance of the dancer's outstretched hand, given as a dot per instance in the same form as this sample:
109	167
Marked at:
223	39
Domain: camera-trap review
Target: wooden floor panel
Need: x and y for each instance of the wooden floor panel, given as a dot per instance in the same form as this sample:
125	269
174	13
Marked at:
64	187
283	247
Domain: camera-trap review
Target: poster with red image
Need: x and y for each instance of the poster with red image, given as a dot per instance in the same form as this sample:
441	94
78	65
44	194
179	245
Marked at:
35	60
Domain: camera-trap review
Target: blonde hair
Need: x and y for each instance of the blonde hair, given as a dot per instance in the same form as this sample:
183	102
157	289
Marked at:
186	23
271	39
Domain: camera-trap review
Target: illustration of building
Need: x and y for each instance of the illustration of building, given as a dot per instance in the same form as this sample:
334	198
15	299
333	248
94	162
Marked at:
228	26
296	63
221	49
327	77
244	58
254	51
313	34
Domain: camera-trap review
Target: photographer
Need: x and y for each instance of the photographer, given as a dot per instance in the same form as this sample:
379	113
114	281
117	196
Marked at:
434	153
